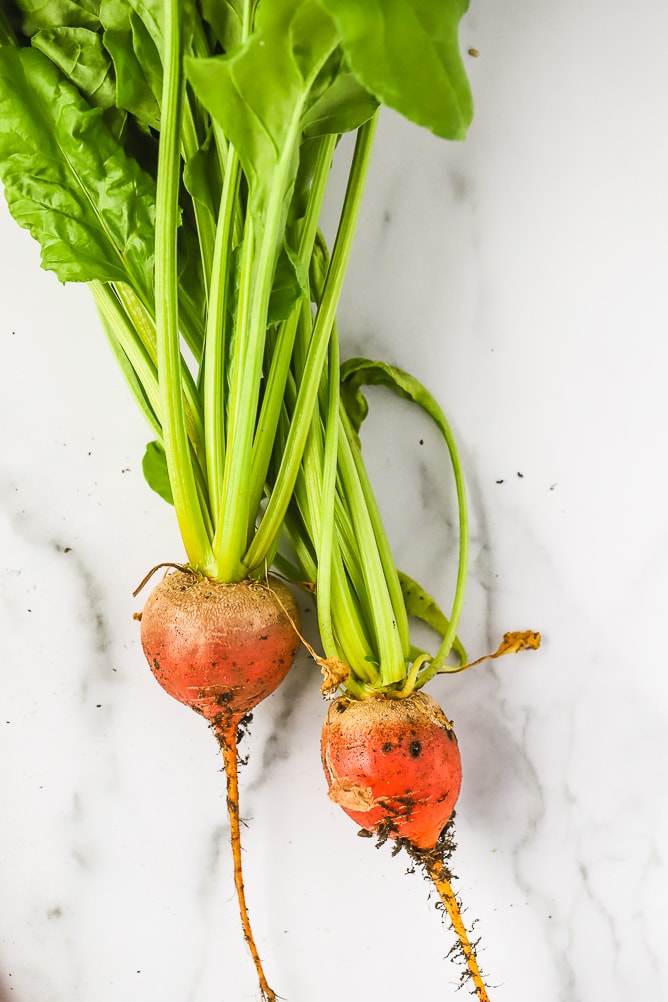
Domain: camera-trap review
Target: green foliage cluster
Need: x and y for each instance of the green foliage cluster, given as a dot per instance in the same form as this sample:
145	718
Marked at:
174	155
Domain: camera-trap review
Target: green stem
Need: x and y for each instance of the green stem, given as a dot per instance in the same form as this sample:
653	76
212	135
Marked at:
216	324
438	663
193	131
380	611
141	373
184	488
144	325
357	372
390	574
138	369
282	488
348	638
257	270
190	323
422	606
218	284
203	222
282	354
328	498
124	337
231	514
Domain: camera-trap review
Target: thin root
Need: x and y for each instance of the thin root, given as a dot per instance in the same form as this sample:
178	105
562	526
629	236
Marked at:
227	738
435	864
166	563
438	873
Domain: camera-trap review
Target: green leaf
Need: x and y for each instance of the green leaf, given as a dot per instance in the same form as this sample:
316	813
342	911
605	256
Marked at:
81	56
132	45
258	93
154	468
115	14
406	53
202	178
59	14
308	159
226	19
290	285
151	13
358	372
10	31
68	180
135	93
342	105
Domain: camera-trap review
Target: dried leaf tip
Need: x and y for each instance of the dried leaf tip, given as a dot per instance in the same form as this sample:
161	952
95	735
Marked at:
334	672
512	643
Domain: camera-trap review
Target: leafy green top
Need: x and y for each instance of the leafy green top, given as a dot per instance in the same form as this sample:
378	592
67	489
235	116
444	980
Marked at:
174	155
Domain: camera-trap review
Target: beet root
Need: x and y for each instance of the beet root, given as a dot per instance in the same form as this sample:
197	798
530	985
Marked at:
393	765
219	648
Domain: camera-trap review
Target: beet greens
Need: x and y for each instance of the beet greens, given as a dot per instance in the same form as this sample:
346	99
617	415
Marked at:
174	156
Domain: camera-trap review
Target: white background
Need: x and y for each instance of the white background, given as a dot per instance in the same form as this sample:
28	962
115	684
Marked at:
522	276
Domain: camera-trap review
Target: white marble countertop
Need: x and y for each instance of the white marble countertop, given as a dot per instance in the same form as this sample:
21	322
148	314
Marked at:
523	277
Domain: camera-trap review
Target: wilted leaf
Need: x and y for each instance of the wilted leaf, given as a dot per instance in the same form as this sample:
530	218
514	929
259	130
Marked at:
512	643
334	673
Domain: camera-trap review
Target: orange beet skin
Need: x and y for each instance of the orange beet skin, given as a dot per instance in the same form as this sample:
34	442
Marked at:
220	648
393	765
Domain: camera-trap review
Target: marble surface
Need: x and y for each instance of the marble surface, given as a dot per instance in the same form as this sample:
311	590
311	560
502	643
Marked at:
522	276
